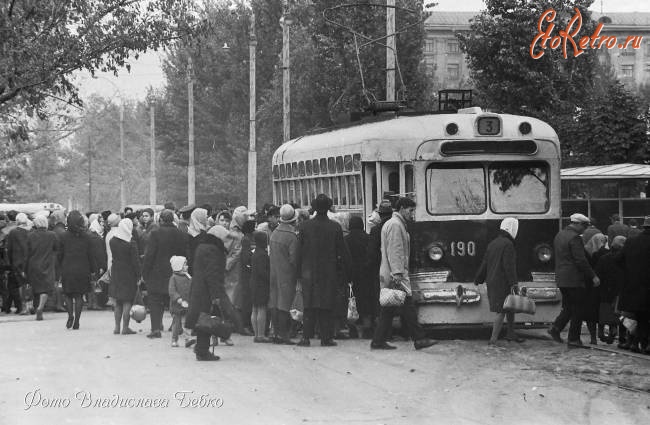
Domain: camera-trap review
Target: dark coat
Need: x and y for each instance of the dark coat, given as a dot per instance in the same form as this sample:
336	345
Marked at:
357	244
611	275
41	260
179	288
99	250
498	270
283	250
634	258
76	261
17	249
125	270
260	277
323	262
163	243
373	263
571	265
245	265
591	304
193	242
208	278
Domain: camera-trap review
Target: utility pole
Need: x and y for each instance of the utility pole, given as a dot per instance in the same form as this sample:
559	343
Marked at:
191	199
285	22
122	191
90	182
252	153
390	50
152	174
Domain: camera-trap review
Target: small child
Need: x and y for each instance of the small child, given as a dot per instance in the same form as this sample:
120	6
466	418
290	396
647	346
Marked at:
179	294
260	286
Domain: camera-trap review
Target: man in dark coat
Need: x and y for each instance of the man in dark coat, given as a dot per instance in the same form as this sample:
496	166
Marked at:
12	292
322	265
572	269
164	242
207	285
617	228
635	296
17	255
373	261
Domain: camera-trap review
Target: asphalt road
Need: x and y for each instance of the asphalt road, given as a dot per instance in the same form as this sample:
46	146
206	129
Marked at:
51	375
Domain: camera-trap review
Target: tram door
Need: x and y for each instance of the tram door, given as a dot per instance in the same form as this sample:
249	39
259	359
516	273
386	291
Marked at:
386	180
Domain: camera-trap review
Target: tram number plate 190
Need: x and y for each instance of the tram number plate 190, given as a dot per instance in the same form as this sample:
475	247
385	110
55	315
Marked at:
461	249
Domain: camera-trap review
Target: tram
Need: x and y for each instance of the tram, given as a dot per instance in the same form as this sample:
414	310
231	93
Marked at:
31	208
466	171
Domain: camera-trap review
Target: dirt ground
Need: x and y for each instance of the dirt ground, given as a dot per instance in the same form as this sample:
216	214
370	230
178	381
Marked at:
58	376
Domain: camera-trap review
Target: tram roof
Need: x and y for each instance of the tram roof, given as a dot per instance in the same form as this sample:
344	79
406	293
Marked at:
377	140
613	171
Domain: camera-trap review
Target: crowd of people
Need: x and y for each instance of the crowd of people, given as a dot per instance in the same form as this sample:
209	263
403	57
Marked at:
259	269
252	268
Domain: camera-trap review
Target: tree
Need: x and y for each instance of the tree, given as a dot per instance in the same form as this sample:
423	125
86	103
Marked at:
596	120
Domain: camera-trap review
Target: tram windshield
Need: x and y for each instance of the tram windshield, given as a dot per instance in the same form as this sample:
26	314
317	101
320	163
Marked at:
513	187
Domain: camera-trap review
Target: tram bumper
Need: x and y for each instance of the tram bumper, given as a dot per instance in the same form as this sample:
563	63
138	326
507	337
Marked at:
442	302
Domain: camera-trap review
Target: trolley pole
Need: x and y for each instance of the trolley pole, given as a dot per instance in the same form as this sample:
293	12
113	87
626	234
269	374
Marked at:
390	50
90	181
191	198
152	176
285	21
252	153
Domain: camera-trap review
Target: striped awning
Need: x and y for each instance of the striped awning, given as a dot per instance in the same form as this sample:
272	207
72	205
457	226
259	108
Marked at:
615	171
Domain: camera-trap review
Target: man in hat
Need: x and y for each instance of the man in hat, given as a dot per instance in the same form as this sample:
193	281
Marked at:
635	294
322	267
572	269
617	228
394	273
272	220
283	250
185	213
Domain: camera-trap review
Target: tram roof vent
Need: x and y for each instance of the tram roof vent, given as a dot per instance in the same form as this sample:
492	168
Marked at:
472	110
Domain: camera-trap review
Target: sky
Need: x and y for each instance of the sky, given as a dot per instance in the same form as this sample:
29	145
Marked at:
146	71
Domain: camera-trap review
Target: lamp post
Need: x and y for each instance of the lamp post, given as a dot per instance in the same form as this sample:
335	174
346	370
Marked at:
252	153
286	21
191	185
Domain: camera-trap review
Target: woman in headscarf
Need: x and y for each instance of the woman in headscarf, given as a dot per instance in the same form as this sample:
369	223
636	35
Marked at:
41	258
95	232
499	271
357	242
125	274
77	263
112	222
596	247
612	279
207	286
197	231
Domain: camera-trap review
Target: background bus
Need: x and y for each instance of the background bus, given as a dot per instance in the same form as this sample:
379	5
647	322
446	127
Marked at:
31	208
467	171
603	190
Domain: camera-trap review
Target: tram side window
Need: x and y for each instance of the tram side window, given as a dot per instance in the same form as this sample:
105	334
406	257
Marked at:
408	180
343	186
356	162
603	190
331	165
339	164
323	165
308	167
347	163
282	171
393	182
316	167
305	192
276	172
456	189
335	190
301	169
575	189
359	188
520	187
634	189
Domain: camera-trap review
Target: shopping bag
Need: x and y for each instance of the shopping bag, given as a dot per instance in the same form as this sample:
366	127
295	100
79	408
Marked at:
138	311
214	324
297	307
391	297
516	303
353	313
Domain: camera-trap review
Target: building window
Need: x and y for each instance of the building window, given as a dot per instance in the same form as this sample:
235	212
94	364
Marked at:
453	71
627	71
647	50
429	46
453	47
628	51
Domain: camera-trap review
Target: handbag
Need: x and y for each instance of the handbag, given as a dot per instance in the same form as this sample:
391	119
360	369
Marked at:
391	297
353	313
517	303
215	325
105	279
297	307
138	311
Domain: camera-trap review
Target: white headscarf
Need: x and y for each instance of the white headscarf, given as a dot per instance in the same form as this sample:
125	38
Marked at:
177	262
96	227
40	222
124	230
23	222
198	221
510	225
220	232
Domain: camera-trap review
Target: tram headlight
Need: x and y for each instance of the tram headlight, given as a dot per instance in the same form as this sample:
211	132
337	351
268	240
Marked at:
525	128
543	253
451	128
436	253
